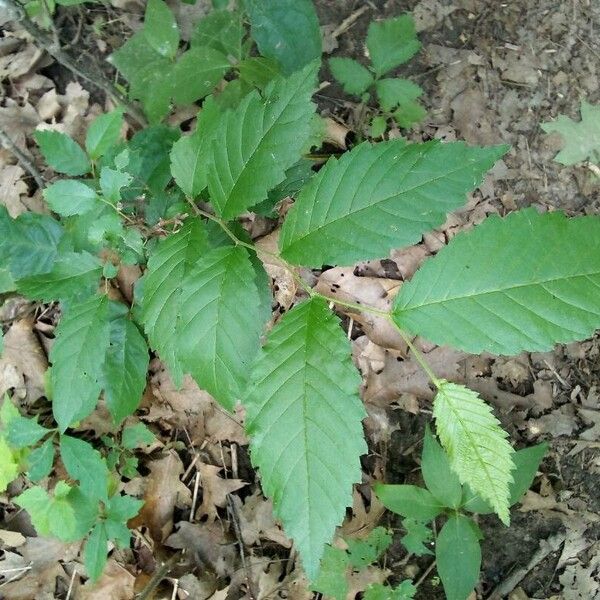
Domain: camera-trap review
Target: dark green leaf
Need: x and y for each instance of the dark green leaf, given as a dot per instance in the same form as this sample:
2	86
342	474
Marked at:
111	183
258	71
85	464
22	432
40	461
409	501
364	552
355	78
62	153
103	133
122	508
69	197
377	591
153	87
160	28
95	552
221	30
134	55
458	557
417	535
527	462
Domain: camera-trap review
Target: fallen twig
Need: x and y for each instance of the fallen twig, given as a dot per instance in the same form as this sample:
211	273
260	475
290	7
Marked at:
22	158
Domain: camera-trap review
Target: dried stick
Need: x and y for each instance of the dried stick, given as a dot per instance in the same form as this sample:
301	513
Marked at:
41	38
22	158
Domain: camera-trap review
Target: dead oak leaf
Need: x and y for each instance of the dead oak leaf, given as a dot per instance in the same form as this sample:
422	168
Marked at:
116	583
215	490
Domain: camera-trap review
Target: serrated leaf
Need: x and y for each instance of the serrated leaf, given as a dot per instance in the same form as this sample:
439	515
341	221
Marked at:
498	289
361	553
69	197
332	579
22	432
406	115
458	557
29	243
168	266
40	461
287	31
95	552
377	591
222	30
134	55
255	143
62	153
136	436
36	502
74	275
355	78
439	477
85	464
123	507
476	444
392	43
117	531
417	535
258	71
103	133
111	182
160	29
124	368
9	465
153	87
219	324
197	72
304	421
581	138
409	501
393	92
387	195
77	356
378	126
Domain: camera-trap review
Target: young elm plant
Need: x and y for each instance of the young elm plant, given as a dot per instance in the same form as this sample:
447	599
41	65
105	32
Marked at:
173	203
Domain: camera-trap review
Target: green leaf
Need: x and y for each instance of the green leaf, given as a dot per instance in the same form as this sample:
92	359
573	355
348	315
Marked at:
168	266
135	54
392	43
377	591
29	243
378	126
287	31
258	71
9	465
82	337
190	154
95	552
137	436
40	461
503	291
364	552
85	509
70	197
332	579
304	421
153	87
123	508
22	432
103	133
527	462
409	501
439	477
118	532
219	324
111	183
160	28
387	195
197	73
36	502
476	444
125	368
221	30
85	464
74	274
355	78
393	92
406	115
62	153
257	142
581	138
417	534
458	557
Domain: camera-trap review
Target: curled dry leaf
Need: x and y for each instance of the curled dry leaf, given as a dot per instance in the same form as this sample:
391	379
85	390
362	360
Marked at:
116	583
214	490
364	517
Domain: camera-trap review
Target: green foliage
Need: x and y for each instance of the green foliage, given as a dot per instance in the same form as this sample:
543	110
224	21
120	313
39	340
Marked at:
354	78
69	197
377	591
417	535
303	396
530	300
62	153
581	138
103	133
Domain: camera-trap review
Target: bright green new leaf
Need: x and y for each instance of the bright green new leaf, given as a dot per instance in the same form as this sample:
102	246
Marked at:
409	501
62	153
74	275
417	535
103	133
219	324
221	30
378	591
22	432
355	78
69	197
160	28
458	557
364	552
408	114
197	72
476	444
40	461
581	138
287	31
137	436
119	510
393	92
258	141
304	422
439	477
392	43
111	183
77	356
95	552
378	197
332	579
85	464
9	465
498	288
168	266
36	502
378	126
125	368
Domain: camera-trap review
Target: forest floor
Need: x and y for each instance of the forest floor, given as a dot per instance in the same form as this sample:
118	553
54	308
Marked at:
492	72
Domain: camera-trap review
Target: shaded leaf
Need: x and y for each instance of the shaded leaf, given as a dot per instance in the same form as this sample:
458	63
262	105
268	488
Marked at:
85	464
62	153
160	29
95	552
361	553
409	501
221	30
417	535
40	461
22	432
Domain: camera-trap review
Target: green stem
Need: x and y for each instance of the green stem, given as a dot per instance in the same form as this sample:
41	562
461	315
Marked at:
418	356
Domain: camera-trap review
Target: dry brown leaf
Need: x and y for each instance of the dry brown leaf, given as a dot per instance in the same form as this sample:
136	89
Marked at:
358	581
214	490
364	519
11	539
116	583
18	122
12	189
